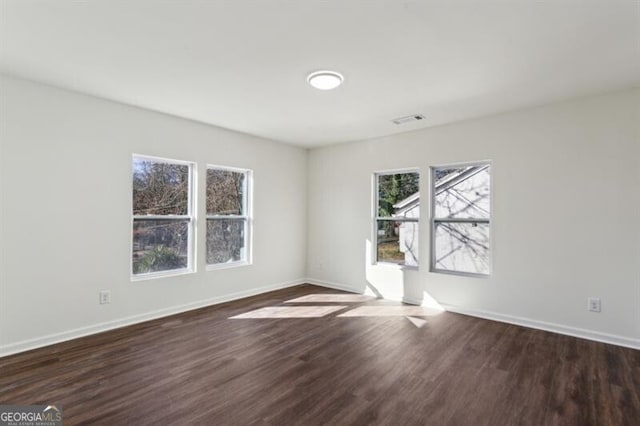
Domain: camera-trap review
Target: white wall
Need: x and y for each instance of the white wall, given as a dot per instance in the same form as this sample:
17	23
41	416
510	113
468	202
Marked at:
65	166
566	216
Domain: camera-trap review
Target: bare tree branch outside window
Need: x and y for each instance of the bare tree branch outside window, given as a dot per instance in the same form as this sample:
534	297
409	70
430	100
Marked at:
227	217
161	215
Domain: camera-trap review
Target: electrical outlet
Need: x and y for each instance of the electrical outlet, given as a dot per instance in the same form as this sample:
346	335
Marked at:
105	297
593	304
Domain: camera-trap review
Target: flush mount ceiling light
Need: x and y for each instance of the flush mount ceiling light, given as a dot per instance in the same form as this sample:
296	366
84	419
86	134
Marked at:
325	80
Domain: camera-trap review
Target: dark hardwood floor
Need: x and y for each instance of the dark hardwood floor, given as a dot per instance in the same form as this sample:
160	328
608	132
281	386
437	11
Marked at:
202	367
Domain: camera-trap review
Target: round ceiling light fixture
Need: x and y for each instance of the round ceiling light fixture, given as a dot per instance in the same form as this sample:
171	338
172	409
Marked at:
325	80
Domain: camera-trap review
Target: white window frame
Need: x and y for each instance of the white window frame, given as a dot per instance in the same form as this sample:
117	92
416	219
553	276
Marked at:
190	216
247	216
435	220
376	218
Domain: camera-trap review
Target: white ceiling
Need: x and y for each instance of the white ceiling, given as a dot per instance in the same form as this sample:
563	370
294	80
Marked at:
242	64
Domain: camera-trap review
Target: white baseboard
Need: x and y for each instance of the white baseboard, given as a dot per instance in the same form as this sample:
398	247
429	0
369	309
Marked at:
510	319
38	342
332	285
411	301
548	326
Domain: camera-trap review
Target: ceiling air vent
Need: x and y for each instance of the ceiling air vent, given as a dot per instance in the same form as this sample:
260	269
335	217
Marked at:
408	119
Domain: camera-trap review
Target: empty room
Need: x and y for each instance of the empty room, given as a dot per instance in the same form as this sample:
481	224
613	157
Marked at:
320	212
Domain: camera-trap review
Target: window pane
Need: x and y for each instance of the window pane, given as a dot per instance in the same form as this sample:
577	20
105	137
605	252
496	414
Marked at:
398	195
160	245
463	192
225	240
160	188
398	242
462	247
225	192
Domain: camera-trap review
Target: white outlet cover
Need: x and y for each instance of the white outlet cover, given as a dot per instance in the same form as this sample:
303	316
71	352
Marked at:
593	304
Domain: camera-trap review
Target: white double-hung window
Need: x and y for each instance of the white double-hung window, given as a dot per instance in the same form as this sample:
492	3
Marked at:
228	217
397	217
461	219
162	217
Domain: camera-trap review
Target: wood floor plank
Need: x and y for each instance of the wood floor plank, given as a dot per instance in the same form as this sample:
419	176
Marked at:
345	366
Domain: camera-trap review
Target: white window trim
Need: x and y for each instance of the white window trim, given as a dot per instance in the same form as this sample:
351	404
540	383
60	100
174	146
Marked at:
192	227
248	217
376	218
433	220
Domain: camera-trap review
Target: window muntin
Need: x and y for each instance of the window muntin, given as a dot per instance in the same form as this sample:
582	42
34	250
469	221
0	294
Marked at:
461	219
228	222
162	216
397	217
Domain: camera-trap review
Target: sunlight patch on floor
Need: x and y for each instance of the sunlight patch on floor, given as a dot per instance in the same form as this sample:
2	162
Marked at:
290	312
331	298
390	311
418	322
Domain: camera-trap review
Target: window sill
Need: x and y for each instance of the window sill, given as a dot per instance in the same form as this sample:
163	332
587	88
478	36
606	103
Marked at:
163	274
217	266
459	273
396	266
